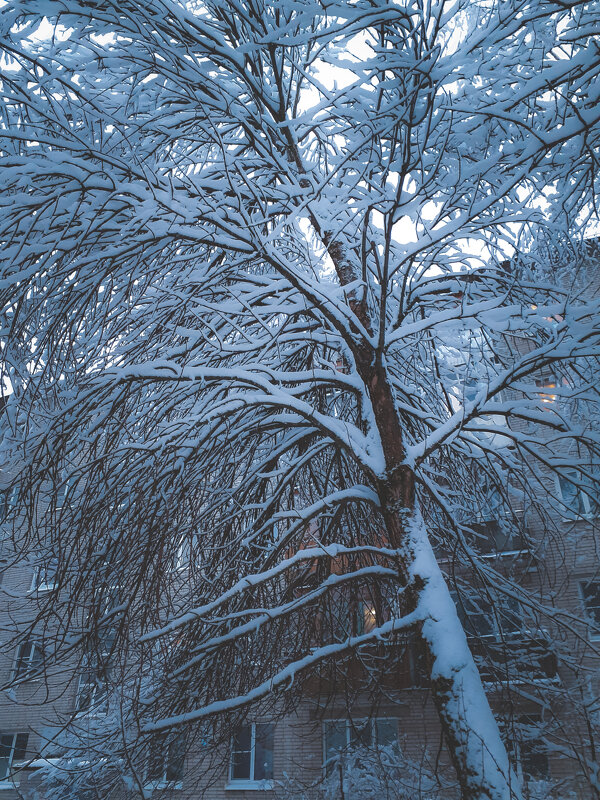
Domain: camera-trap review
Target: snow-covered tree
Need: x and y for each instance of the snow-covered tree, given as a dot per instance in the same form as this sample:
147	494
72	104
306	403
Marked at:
272	338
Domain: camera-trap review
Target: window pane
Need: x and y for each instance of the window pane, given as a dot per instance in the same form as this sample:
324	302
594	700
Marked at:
176	758
242	738
361	733
510	616
22	659
93	691
534	759
45	575
6	746
20	751
240	757
367	616
476	616
386	731
572	496
546	386
334	734
263	752
591	600
341	618
155	770
156	760
240	765
85	692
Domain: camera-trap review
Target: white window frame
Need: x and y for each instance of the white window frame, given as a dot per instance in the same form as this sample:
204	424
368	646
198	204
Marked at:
504	610
106	630
43	586
166	760
567	512
250	782
593	623
21	669
482	519
8	781
8	500
98	705
350	725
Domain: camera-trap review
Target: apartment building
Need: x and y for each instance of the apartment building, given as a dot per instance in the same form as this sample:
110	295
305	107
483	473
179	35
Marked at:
538	681
540	670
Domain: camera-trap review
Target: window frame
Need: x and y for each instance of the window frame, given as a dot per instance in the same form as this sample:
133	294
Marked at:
504	611
9	498
567	512
350	726
110	616
251	782
594	624
544	386
45	586
8	780
482	523
167	759
523	748
98	704
22	665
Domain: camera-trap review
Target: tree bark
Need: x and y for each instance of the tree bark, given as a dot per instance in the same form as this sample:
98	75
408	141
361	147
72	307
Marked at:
470	729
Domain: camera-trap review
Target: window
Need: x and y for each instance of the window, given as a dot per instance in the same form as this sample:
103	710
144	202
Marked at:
28	662
489	618
8	501
528	748
494	536
92	691
367	616
166	761
13	747
44	577
252	754
590	595
547	387
341	733
534	757
577	494
354	617
106	618
495	523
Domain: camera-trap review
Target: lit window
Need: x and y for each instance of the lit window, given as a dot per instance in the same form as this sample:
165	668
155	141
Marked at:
590	594
13	747
352	617
368	617
252	753
29	661
547	389
166	760
338	734
577	494
92	691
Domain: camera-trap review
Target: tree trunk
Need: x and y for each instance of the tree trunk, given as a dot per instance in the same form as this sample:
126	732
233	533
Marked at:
470	729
